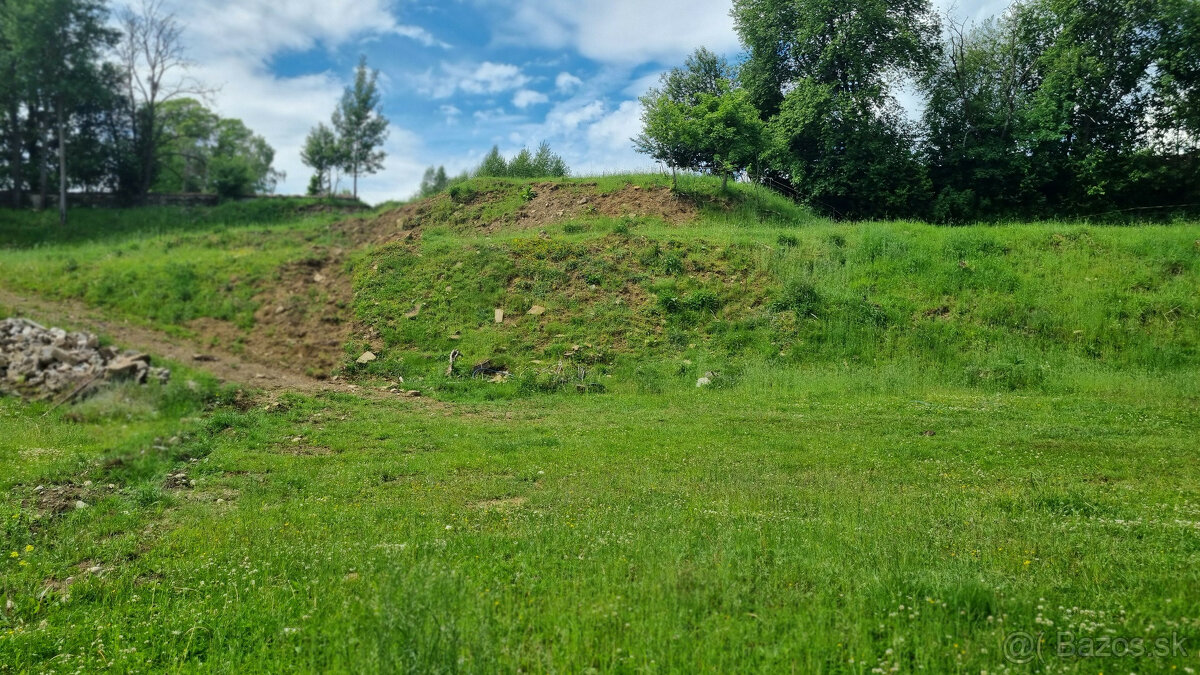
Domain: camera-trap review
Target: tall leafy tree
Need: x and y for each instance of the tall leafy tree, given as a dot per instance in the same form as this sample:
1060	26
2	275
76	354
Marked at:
493	165
10	105
186	146
360	125
323	154
58	45
823	72
1177	72
698	120
241	161
156	71
1089	112
547	163
977	96
201	152
1063	107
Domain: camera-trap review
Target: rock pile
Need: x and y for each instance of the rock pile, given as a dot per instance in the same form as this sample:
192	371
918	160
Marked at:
40	362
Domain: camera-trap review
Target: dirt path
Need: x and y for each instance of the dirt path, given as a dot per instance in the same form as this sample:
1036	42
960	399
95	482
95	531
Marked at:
224	365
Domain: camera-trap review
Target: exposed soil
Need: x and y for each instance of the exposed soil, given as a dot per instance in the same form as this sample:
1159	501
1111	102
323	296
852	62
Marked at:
400	224
304	318
556	202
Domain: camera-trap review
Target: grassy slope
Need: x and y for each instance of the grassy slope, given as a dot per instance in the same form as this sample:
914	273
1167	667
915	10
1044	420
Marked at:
161	266
793	518
1045	306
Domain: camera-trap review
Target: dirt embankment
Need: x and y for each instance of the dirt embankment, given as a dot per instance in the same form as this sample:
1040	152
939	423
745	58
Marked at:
304	319
556	202
551	204
305	314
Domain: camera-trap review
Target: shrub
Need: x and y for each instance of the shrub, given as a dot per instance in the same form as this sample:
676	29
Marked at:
462	193
702	300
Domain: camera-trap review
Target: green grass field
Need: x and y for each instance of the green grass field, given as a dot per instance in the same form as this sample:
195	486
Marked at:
920	447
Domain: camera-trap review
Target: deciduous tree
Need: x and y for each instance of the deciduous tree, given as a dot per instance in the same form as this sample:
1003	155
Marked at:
360	124
323	154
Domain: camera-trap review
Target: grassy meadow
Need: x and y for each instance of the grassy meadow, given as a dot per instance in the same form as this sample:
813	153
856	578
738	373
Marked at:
921	448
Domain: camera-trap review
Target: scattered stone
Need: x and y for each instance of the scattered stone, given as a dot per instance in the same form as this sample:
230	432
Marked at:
45	363
930	433
80	504
499	315
367	357
416	311
536	310
703	382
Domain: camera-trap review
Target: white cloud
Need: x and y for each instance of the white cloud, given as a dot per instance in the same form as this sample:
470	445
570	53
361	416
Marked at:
259	28
485	78
616	129
615	31
527	97
404	170
568	117
420	35
493	78
566	82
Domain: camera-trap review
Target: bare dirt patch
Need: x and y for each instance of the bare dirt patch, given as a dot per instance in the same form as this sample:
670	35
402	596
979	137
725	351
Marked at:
401	224
303	320
501	504
555	203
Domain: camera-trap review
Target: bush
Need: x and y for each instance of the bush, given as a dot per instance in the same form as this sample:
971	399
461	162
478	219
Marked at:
462	193
231	177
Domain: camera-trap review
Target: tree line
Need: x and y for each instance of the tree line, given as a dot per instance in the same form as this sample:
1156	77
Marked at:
101	102
542	163
1054	108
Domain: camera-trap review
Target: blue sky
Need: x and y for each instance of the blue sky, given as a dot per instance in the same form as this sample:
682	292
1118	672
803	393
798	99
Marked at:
457	76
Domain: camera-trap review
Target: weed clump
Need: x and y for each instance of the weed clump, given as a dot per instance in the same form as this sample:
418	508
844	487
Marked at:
799	296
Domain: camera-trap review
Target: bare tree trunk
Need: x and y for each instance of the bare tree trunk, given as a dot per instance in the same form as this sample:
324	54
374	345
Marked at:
14	155
43	164
62	169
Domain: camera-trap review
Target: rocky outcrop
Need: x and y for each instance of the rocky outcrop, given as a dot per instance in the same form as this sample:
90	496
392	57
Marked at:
38	362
